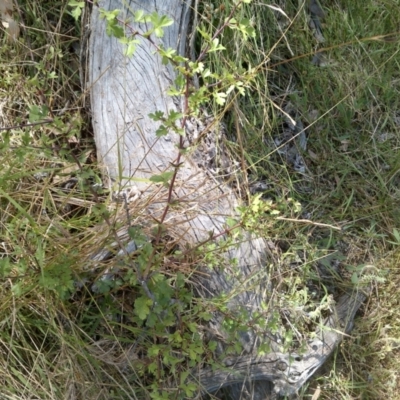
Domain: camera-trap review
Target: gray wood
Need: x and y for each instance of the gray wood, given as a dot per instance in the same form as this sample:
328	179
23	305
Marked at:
123	92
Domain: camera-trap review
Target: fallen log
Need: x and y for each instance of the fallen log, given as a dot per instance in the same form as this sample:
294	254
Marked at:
123	92
288	372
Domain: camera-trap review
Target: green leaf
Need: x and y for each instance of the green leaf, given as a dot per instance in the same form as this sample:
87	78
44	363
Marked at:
130	47
174	116
38	113
174	91
207	316
157	116
77	8
109	15
153	351
204	34
246	28
243	26
206	73
196	67
139	16
167	54
190	389
160	22
115	30
212	345
159	32
163	178
165	21
215	46
113	27
220	98
162	131
142	307
137	235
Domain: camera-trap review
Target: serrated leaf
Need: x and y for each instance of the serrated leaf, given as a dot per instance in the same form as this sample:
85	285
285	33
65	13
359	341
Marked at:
109	15
220	98
76	13
142	307
38	113
174	115
113	29
139	16
130	48
157	116
162	131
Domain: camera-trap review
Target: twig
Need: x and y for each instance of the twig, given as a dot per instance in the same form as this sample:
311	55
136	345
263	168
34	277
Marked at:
307	221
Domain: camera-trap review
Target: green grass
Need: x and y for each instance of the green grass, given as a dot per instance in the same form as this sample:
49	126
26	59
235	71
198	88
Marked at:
58	341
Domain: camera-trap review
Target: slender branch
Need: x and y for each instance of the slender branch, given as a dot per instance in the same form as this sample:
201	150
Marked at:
9	128
307	221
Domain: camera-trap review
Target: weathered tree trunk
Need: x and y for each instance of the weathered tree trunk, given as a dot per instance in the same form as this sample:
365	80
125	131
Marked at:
124	91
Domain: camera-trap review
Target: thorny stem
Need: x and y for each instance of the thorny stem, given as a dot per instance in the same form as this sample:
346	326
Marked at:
173	179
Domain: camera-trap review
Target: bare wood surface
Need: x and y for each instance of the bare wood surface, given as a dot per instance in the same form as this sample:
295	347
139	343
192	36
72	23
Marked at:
124	91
